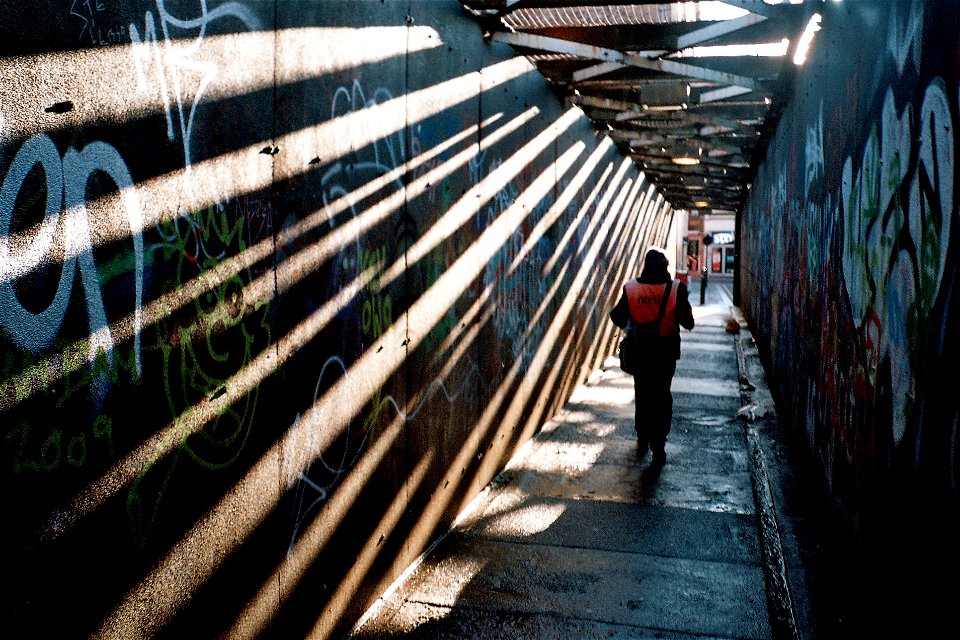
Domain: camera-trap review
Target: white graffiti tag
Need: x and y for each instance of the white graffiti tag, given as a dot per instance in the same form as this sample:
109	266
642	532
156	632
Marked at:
177	67
66	184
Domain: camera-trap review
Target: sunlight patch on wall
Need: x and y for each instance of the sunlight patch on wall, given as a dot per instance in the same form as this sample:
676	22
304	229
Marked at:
125	83
246	504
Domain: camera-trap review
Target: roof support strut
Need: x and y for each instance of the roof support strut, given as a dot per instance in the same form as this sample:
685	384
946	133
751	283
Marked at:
557	45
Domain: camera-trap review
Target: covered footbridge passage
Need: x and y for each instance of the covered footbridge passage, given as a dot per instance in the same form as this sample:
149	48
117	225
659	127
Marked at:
285	286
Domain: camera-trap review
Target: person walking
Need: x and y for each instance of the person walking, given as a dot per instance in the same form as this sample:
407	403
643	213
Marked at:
651	296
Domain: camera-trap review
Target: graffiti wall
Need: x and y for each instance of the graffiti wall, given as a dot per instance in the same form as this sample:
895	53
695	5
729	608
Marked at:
282	286
850	257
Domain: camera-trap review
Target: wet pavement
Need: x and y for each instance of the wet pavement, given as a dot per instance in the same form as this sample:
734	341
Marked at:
580	538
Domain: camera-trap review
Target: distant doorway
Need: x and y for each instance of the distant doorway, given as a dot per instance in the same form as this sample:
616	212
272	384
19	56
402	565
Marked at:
722	258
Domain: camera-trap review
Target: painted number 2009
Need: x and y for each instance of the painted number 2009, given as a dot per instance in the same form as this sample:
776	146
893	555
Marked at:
56	449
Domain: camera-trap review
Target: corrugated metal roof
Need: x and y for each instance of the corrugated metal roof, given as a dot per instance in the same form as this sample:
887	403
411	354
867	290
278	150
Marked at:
635	70
602	16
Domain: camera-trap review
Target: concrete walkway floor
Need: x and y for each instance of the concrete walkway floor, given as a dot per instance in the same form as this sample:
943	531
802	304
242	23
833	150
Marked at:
577	538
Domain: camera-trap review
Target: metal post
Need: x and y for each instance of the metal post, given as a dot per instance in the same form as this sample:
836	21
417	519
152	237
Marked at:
707	241
703	285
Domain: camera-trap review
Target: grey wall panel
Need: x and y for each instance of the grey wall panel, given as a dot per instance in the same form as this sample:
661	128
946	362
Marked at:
849	263
282	286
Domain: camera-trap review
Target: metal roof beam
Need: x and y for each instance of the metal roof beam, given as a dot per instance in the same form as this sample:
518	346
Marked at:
753	6
735	176
602	103
596	70
689	70
687	117
558	45
716	30
513	5
661	166
607	67
722	94
624	77
676	188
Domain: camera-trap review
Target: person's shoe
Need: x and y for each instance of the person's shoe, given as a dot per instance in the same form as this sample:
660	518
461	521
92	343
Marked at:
659	458
642	448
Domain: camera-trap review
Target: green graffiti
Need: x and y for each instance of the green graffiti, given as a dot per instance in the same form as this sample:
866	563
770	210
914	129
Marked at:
376	314
49	453
103	430
19	434
77	451
440	259
373	260
26	378
202	347
219	339
57	379
931	251
79	377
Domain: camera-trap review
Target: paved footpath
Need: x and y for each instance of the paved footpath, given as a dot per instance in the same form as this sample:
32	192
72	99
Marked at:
577	538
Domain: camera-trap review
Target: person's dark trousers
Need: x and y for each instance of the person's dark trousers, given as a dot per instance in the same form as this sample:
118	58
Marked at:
654	404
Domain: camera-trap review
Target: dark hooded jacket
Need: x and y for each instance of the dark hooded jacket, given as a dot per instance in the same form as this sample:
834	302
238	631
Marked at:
655	272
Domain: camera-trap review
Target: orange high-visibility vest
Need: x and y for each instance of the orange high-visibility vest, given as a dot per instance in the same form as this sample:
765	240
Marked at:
644	303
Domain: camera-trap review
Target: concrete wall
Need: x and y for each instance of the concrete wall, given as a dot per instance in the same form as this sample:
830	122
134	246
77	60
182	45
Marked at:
849	262
282	286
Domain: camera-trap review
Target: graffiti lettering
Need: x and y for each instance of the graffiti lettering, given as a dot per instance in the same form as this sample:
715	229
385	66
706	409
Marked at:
94	29
377	313
57	449
66	185
179	69
365	318
905	34
221	331
814	149
517	289
880	271
299	454
388	148
876	244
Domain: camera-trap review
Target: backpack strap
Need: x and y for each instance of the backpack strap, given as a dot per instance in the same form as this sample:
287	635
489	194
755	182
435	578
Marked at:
666	296
629	317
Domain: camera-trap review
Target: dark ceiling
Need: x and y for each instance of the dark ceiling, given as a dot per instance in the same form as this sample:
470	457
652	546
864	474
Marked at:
632	68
